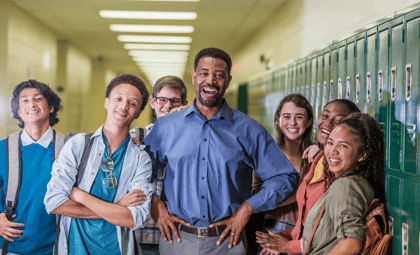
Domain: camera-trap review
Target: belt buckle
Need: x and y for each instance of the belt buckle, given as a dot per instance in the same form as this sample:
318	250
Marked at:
202	232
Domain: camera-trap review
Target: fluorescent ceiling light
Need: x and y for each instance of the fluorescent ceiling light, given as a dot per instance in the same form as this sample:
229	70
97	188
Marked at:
139	46
154	39
151	28
169	0
159	59
147	15
163	64
145	53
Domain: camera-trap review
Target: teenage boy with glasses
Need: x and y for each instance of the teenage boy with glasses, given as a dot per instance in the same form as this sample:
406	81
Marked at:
99	215
169	92
30	230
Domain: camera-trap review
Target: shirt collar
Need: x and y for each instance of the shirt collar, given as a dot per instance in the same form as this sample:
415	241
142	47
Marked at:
44	141
226	112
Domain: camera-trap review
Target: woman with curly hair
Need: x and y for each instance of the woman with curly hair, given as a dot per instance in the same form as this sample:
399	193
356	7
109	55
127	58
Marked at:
311	187
354	176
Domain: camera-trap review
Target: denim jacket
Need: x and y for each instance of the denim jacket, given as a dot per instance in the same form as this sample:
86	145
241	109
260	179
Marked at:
135	174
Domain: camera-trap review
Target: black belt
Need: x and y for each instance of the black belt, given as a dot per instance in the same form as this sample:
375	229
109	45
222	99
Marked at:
201	231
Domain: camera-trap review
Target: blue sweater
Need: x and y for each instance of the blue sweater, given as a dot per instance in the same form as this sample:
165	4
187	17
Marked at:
39	231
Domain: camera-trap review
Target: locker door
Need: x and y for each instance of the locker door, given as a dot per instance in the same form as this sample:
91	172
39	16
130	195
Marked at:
282	82
289	78
319	86
294	77
371	77
314	67
411	186
360	78
301	77
396	119
333	74
243	98
350	75
308	79
326	78
341	78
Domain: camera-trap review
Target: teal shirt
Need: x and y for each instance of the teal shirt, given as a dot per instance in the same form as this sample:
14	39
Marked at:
39	231
98	236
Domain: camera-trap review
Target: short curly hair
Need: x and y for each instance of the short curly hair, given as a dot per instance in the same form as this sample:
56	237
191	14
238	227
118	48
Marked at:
132	80
370	138
213	53
52	99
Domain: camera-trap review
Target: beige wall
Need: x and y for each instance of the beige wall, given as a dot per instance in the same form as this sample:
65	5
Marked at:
299	27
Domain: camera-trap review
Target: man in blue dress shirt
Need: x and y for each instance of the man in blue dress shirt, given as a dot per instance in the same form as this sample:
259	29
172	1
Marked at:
210	150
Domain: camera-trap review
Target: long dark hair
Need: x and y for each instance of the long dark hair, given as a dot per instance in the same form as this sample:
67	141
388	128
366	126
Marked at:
300	101
370	139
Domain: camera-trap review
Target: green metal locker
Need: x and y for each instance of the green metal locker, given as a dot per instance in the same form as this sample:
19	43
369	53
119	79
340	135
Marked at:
371	71
312	99
308	78
350	84
341	74
294	77
243	98
326	77
360	78
333	73
411	187
301	77
319	81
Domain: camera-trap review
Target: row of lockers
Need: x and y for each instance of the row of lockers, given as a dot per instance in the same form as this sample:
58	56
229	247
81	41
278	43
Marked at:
378	69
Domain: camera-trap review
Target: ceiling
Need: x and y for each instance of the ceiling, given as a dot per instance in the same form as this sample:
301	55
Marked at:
224	24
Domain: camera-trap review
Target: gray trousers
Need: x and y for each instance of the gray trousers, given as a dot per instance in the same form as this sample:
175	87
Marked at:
194	245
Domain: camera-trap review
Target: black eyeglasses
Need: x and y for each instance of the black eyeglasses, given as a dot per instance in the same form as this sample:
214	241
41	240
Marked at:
110	181
174	101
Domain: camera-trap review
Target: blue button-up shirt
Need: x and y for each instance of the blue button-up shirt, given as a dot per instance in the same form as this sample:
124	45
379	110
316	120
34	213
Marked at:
209	164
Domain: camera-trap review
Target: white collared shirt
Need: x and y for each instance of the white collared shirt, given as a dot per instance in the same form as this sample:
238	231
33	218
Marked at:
44	141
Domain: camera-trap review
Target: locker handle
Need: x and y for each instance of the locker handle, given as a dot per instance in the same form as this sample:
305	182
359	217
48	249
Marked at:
393	82
348	87
340	89
404	245
357	88
380	85
408	82
411	130
368	87
391	225
331	90
324	98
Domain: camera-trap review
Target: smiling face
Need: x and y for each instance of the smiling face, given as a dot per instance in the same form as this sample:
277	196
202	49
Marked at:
33	107
330	117
293	121
123	105
169	93
342	151
210	81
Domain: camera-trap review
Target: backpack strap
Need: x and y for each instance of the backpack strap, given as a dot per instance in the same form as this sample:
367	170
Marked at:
314	229
140	133
58	141
80	170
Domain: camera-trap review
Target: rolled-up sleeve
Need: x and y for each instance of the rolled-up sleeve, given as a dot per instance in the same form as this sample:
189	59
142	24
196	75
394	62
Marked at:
141	180
280	178
63	174
348	207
